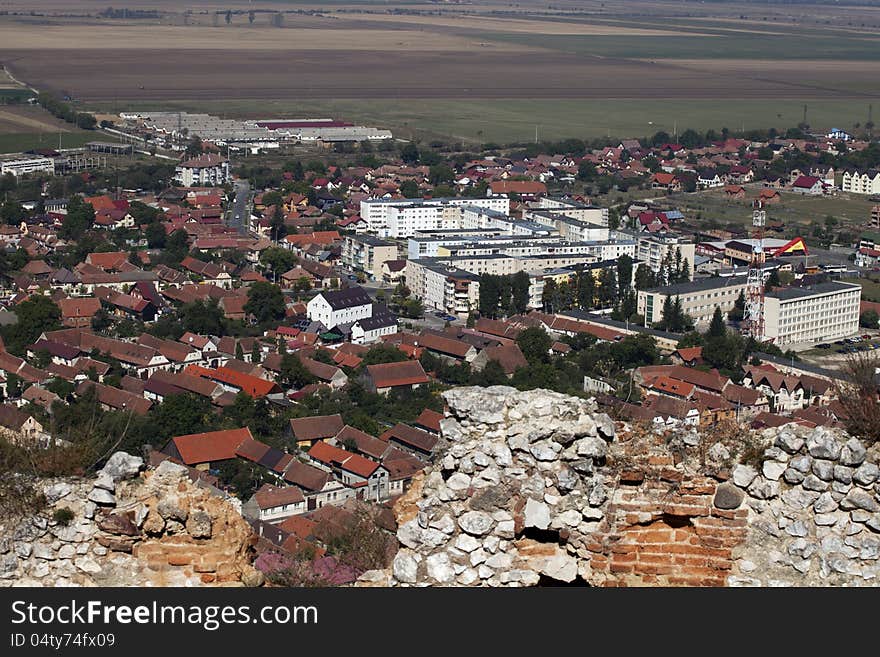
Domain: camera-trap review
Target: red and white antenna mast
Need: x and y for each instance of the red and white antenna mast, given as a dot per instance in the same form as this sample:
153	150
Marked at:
753	324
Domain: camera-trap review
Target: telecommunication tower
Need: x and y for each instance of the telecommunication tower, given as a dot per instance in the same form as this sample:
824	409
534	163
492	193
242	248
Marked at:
753	324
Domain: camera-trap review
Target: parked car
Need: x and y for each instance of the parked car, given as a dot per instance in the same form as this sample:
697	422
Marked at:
823	345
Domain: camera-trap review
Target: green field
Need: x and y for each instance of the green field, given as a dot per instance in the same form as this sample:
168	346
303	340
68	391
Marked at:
870	288
514	120
799	212
25	141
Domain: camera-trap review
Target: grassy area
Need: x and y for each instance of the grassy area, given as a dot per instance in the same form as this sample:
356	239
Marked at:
870	288
20	142
797	211
509	120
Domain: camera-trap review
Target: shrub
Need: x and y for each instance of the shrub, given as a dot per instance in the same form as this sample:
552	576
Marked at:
63	516
858	396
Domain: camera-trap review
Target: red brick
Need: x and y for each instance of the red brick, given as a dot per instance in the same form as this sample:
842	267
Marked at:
654	569
621	568
660	460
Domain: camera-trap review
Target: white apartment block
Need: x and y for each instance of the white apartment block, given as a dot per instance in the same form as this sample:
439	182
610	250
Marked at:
575	210
23	166
367	254
652	249
858	182
698	298
819	313
477	218
443	288
206	170
404	217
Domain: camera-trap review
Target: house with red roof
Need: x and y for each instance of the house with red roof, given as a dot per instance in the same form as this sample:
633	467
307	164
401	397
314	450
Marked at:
668	182
808	185
353	470
383	377
200	450
236	382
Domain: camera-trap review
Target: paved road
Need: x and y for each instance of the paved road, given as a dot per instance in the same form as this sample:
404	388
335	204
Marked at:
241	206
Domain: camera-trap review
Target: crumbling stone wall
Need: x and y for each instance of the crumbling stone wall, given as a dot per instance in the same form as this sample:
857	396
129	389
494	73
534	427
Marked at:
539	488
128	529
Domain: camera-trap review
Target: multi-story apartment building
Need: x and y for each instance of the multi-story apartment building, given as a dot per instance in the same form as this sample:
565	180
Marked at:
652	250
861	182
822	312
698	298
206	170
574	209
443	288
403	217
367	253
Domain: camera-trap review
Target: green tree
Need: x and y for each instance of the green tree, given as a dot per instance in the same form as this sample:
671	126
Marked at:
409	189
520	292
35	315
278	260
409	153
624	273
738	311
79	219
441	173
490	295
869	319
548	295
203	317
534	342
11	212
265	302
156	236
256	353
772	280
586	289
293	373
644	277
717	328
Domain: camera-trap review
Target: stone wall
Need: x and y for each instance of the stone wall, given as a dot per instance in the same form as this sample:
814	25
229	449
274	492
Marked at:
128	529
539	488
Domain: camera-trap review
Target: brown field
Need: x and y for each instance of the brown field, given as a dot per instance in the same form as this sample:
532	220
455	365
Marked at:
530	26
95	75
30	119
132	37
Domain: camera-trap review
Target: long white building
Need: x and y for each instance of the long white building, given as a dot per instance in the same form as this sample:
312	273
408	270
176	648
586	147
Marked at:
21	166
819	313
398	218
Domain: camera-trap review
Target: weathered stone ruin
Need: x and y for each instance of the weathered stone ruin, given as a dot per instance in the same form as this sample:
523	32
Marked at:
128	529
538	488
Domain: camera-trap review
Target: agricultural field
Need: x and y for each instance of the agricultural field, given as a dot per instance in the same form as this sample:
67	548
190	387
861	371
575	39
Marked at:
481	72
24	127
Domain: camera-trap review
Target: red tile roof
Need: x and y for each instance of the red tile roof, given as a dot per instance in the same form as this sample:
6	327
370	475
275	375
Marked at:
389	375
411	437
673	387
334	456
210	446
430	420
268	496
316	427
250	385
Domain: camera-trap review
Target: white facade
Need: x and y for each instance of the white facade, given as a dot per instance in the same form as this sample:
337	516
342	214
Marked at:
861	183
652	250
24	166
363	333
319	310
410	215
827	311
203	171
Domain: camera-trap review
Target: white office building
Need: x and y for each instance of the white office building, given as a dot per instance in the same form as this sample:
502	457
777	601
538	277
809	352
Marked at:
818	313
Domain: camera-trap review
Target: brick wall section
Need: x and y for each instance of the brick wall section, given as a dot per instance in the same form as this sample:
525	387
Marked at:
661	527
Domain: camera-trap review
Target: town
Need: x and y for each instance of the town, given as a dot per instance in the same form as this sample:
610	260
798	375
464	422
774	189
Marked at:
282	325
